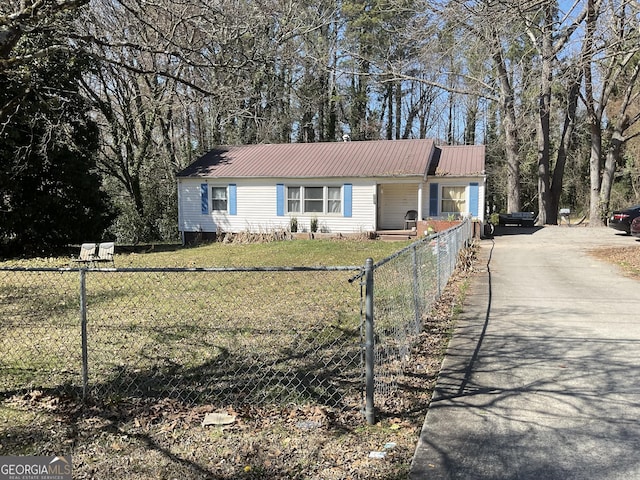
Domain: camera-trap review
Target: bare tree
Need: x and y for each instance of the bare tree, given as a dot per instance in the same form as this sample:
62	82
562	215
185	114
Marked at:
491	32
609	56
173	79
549	31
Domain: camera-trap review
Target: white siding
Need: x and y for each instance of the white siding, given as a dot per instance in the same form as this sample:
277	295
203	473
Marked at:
456	181
257	207
395	201
189	210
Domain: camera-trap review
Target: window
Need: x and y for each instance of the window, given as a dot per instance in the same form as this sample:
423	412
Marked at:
454	199
314	199
334	200
219	198
293	199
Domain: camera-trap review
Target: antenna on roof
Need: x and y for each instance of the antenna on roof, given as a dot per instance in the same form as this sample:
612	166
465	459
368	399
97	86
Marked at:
346	138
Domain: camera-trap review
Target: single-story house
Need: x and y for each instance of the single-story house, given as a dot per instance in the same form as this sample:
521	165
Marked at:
343	187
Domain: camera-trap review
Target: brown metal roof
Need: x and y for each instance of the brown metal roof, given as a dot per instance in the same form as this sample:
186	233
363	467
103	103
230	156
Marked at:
458	161
381	158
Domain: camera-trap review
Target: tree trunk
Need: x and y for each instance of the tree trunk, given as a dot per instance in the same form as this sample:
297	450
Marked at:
613	155
359	102
390	116
450	135
544	113
618	139
564	147
398	109
510	130
596	218
470	121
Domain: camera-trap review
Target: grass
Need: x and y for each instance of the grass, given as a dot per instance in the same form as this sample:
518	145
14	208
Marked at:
166	347
283	253
152	333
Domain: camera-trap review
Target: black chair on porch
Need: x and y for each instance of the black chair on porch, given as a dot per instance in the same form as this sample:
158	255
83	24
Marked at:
411	219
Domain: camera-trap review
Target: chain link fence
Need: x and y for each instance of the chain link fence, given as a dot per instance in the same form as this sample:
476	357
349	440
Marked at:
406	287
226	336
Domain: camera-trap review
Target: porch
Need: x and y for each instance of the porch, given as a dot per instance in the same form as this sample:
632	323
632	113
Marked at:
426	227
422	226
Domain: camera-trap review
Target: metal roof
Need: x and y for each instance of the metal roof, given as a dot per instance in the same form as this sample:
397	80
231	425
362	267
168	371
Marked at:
458	161
380	158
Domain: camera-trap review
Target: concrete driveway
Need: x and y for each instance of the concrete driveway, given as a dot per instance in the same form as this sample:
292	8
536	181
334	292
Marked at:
542	377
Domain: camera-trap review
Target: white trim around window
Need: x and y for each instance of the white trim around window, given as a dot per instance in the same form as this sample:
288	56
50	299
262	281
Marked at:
219	198
314	199
453	200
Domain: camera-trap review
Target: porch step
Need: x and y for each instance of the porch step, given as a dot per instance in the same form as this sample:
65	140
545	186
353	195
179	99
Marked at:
396	235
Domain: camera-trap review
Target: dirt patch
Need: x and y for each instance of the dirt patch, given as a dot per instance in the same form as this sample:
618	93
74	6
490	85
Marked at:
164	439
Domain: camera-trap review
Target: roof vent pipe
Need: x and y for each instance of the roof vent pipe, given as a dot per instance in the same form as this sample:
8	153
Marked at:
346	138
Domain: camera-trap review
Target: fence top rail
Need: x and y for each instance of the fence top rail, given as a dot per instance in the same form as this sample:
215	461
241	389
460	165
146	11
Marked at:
319	268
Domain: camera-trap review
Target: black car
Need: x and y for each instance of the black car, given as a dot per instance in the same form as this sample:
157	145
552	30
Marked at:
635	227
621	219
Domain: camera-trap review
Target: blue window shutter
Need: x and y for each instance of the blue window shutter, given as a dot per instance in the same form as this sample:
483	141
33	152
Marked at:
473	199
348	199
433	199
280	199
233	199
204	198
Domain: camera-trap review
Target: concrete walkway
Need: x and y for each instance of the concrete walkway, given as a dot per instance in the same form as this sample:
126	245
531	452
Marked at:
542	377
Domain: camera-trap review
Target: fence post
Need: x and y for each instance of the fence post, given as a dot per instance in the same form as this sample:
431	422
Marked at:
83	328
369	352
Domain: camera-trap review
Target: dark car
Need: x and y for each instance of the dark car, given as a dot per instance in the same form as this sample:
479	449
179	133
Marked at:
621	219
635	227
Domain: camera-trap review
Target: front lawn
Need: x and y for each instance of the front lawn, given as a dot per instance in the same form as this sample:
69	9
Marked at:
120	436
282	253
